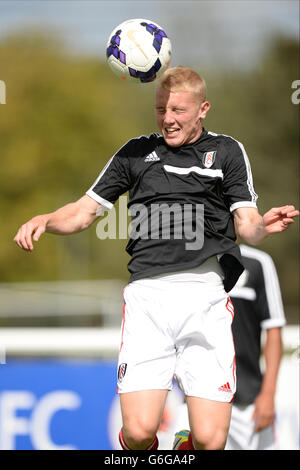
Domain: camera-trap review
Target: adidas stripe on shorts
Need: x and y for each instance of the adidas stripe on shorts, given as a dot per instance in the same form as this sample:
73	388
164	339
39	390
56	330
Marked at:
178	325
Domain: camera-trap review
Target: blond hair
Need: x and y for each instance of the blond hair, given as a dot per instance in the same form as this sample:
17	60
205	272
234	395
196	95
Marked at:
183	79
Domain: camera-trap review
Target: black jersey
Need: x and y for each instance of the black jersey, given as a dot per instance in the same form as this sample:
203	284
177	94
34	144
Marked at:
212	172
258	306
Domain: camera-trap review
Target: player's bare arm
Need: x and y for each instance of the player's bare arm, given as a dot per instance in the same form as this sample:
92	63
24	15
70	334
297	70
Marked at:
71	218
264	411
253	228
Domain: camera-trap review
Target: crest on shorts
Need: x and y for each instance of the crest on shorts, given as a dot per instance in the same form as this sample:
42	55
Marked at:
121	371
209	158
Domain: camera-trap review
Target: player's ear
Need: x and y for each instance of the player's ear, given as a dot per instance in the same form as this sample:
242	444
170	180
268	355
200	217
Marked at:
204	108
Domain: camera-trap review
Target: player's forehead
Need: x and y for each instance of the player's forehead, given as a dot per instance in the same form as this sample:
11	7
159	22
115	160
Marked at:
164	97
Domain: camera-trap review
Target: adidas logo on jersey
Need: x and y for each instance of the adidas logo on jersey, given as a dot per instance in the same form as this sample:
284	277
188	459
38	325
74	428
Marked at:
152	157
225	388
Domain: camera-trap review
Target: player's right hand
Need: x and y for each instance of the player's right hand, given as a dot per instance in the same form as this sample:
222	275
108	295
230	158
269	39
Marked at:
30	231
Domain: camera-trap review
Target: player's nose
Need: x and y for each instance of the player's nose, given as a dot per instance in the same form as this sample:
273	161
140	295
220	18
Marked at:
169	117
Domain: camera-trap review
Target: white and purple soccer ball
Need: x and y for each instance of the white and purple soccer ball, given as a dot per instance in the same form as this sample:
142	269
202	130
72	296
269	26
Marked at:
138	50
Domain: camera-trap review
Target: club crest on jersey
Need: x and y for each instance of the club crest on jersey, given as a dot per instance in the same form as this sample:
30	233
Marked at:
122	371
209	158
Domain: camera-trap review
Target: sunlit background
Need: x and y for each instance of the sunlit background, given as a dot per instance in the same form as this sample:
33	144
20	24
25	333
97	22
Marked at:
65	115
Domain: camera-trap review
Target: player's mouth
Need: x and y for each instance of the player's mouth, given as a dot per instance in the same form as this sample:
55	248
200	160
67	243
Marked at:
171	131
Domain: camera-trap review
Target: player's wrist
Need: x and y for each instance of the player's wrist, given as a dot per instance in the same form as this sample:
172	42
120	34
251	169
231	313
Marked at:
268	391
45	220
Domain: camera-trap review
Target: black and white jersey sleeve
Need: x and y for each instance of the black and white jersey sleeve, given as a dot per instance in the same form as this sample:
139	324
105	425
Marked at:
268	294
258	306
238	188
258	290
114	180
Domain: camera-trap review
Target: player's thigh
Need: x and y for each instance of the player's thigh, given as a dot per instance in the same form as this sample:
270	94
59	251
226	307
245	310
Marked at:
205	362
209	421
143	409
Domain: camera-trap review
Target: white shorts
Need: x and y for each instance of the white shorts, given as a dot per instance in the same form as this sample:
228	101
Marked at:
178	326
241	434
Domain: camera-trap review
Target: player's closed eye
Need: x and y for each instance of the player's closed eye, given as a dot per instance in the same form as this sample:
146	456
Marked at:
175	110
179	110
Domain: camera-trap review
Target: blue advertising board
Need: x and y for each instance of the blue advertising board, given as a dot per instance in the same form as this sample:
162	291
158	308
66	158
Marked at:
60	404
56	404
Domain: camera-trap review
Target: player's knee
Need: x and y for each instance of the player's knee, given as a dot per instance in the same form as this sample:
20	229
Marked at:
209	439
139	436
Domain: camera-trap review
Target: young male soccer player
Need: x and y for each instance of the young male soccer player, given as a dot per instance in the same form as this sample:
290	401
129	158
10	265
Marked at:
177	315
258	307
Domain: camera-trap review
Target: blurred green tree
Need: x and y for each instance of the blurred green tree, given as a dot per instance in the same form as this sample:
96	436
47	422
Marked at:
256	108
65	116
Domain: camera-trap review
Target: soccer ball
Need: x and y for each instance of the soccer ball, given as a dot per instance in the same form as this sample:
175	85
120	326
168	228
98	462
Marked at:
138	50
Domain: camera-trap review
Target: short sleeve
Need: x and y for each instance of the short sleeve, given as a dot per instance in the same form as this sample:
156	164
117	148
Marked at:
113	181
238	189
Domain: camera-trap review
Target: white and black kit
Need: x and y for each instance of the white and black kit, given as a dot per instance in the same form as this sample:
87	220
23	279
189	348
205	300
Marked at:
171	285
258	305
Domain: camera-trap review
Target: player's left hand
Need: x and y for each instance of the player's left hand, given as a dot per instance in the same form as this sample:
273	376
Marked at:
264	411
278	219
